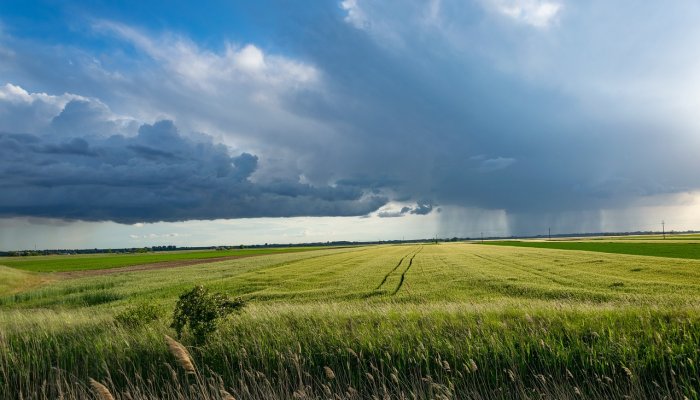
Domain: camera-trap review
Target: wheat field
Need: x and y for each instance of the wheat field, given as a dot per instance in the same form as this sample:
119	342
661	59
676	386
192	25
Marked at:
436	321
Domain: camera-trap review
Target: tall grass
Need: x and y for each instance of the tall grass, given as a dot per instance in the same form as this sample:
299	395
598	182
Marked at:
433	351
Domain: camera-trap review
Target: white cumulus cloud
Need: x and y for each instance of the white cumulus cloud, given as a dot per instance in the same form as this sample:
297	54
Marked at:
355	15
537	13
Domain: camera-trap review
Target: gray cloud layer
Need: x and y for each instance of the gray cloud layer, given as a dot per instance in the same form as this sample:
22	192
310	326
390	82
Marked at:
549	108
462	106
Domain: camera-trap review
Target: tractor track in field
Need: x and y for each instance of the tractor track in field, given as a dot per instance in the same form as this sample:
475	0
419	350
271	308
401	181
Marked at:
403	274
147	267
391	272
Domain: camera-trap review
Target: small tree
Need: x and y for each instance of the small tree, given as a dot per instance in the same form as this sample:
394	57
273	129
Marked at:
200	311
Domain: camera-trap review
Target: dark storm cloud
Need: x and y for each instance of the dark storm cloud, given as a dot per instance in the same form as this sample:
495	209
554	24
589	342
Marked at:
486	104
157	175
75	146
421	208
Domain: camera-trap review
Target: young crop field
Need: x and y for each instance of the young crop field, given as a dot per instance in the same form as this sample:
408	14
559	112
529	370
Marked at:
429	321
667	237
64	263
672	249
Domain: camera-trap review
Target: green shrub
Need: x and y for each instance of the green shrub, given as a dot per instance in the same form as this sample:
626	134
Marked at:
200	311
138	315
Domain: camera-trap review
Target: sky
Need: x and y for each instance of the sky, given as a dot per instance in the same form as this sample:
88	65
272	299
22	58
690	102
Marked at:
140	123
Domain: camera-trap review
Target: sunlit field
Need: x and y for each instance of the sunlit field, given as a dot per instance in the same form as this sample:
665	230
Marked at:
459	320
64	263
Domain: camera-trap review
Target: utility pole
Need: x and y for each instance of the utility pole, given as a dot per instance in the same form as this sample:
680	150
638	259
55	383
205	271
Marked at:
663	228
549	233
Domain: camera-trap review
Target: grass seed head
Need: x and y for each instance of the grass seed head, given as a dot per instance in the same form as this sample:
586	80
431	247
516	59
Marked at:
446	366
395	379
511	375
351	351
472	365
181	354
327	390
100	390
225	395
628	372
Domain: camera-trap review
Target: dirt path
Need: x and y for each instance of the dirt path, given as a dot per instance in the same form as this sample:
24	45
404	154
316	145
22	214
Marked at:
146	267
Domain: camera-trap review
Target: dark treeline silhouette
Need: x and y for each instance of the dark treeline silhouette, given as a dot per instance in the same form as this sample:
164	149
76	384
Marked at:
128	250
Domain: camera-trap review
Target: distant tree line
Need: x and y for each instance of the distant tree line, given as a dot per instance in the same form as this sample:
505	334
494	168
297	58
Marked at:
339	243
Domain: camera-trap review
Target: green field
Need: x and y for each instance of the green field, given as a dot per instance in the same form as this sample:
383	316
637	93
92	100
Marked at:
63	263
675	249
667	236
649	237
407	321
